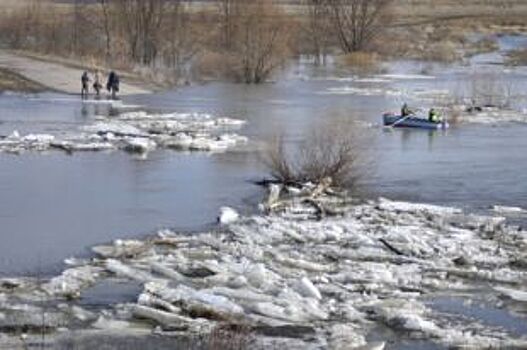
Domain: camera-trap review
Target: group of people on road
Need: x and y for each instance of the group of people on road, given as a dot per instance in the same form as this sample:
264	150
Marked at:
433	114
112	84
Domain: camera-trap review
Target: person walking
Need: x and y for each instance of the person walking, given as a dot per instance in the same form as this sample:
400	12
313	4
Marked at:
113	84
97	86
85	80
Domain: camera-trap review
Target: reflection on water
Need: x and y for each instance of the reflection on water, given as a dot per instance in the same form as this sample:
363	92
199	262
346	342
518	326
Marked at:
56	205
468	310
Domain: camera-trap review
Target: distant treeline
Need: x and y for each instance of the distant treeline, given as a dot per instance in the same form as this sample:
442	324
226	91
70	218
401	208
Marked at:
243	40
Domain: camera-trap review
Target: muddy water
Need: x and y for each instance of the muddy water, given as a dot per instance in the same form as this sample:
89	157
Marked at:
54	205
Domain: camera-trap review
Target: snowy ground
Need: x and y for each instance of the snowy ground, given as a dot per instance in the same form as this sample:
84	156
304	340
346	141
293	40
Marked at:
136	132
315	274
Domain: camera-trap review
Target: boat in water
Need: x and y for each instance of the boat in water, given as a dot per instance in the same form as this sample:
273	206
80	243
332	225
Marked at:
398	121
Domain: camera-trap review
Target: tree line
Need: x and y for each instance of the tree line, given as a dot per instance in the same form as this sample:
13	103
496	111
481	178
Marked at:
244	40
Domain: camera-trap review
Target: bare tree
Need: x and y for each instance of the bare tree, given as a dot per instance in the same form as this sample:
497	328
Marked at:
106	25
141	21
261	40
229	11
329	151
317	28
356	22
182	40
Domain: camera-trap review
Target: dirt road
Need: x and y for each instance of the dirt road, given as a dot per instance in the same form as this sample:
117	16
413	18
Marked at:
55	76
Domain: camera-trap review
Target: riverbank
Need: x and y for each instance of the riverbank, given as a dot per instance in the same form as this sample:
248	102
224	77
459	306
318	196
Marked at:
322	271
11	81
54	75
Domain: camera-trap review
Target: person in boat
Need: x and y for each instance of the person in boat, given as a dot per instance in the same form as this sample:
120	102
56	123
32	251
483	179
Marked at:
97	86
113	84
85	80
433	116
405	111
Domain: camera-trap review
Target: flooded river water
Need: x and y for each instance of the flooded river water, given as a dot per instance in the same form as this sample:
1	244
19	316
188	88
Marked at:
55	205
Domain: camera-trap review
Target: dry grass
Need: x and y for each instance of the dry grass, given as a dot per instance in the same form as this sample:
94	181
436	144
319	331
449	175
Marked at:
437	42
438	30
494	10
445	51
209	65
361	61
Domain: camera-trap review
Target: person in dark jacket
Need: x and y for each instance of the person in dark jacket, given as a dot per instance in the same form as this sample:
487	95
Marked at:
85	80
406	111
113	84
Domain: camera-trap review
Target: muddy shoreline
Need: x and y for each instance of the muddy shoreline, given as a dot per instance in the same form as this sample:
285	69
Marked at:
14	82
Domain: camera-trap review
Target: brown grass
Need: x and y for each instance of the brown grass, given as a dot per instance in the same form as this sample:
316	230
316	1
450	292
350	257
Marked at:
361	61
445	51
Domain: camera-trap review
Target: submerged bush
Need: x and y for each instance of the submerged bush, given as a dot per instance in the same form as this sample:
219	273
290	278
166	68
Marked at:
327	152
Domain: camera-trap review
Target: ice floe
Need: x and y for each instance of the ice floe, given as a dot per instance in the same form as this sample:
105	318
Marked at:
137	132
299	278
228	215
508	210
361	91
406	76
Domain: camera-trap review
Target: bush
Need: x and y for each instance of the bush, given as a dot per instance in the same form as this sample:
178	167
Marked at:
211	65
328	152
261	42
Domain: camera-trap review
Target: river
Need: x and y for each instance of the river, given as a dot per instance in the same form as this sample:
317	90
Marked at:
55	205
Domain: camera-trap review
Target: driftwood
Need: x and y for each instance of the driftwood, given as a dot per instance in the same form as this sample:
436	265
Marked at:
63	147
391	247
274	194
321	188
274	203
